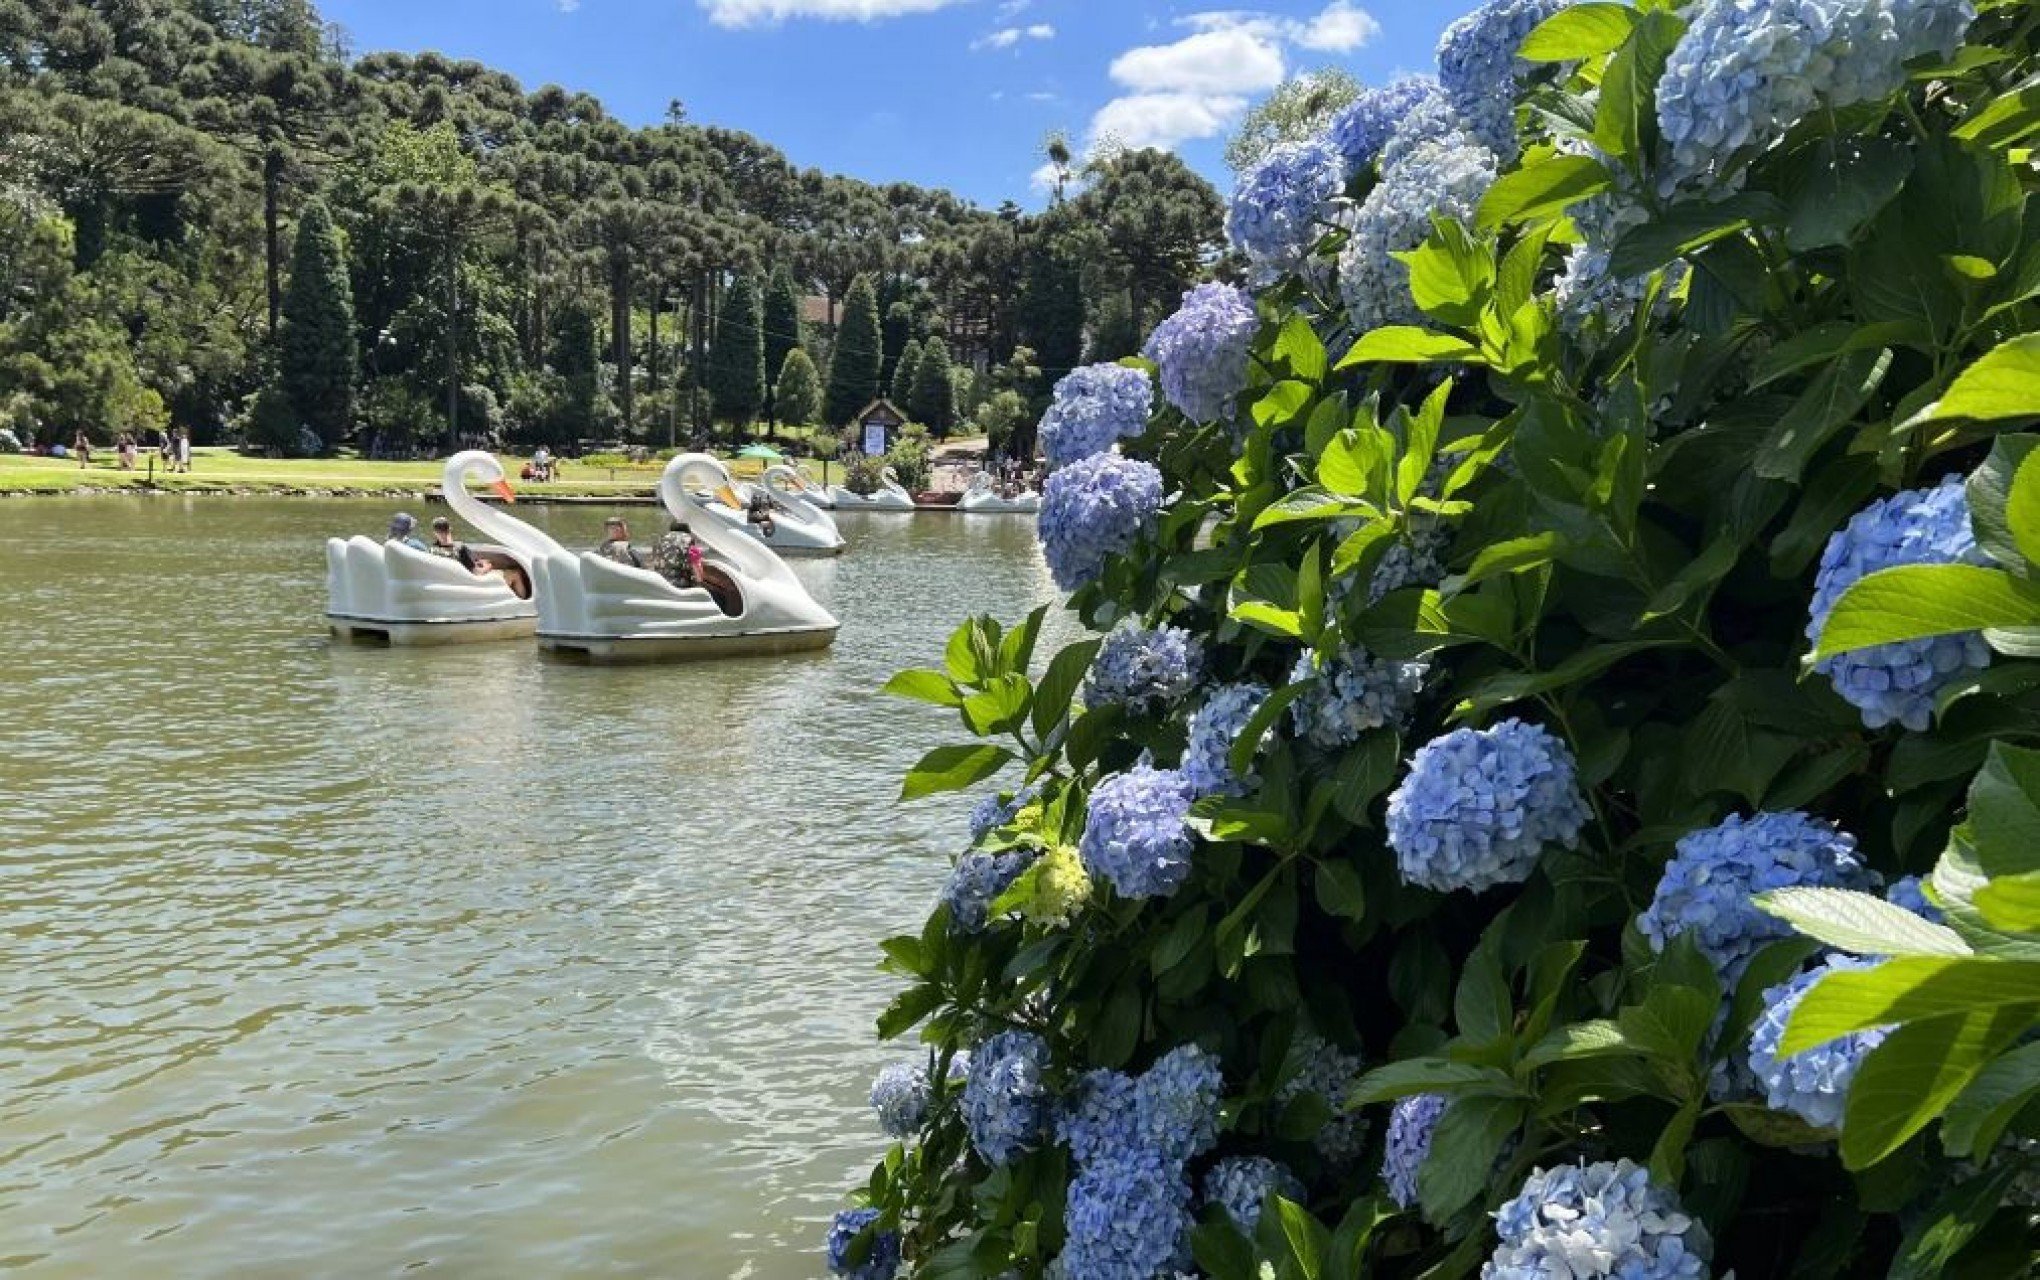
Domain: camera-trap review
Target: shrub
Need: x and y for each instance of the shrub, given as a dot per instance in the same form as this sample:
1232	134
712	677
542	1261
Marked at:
864	474
912	459
1616	545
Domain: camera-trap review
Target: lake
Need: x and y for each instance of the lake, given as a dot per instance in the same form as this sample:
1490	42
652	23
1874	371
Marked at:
321	961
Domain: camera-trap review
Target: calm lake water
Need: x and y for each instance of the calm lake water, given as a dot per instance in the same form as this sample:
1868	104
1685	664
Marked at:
319	961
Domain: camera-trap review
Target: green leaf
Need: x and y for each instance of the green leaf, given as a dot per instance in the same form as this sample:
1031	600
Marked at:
1599	1038
1947	1227
1860	923
1280	403
2007	118
2002	386
1305	1236
1312	505
1823	342
1913	601
1000	707
1464	1146
1428	1075
2004	812
2022	510
1834	397
2011	903
1625	125
1356	462
1340	891
953	769
1544	187
1668	1155
1907	989
923	685
1581	32
1287	623
1685	228
1364	772
1247	745
1907	1081
1299	346
1058	687
1838	185
1976	1119
1511	555
1407	344
907	1009
1452	275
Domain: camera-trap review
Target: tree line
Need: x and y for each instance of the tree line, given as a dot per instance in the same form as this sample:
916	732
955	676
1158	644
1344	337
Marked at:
216	214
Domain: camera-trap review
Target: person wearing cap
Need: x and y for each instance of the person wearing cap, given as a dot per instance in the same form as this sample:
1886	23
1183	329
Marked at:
404	529
616	543
443	542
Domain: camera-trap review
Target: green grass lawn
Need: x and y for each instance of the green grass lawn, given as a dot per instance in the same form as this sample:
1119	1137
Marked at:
217	470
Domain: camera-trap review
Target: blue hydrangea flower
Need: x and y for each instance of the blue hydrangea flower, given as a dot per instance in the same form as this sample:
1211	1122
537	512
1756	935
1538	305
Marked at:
1813	1085
1410	1126
1005	1097
1280	205
1747	71
1707	887
1095	509
1480	805
1897	683
1479	71
1201	351
1175	1104
1240	1184
882	1263
1328	1072
1414	561
1127	1218
1093	408
1096	1117
1432	119
998	809
1364	127
976	882
1607	1219
1213	729
900	1095
1142	670
1354	692
1442	178
1135	837
1907	892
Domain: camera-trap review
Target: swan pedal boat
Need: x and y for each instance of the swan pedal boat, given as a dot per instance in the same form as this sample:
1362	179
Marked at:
750	603
391	593
890	496
984	498
799	528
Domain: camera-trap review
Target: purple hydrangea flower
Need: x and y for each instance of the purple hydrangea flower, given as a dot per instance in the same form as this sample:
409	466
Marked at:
1142	670
1480	72
1707	887
1364	127
1608	1219
1093	510
976	882
1354	692
1480	805
1326	1071
1201	351
1897	683
1907	892
1444	178
1093	408
1134	835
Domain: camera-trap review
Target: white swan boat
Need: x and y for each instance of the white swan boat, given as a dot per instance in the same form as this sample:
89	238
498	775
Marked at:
799	482
750	602
393	593
983	498
797	527
889	496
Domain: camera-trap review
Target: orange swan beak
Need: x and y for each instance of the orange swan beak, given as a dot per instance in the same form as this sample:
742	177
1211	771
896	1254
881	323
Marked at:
504	491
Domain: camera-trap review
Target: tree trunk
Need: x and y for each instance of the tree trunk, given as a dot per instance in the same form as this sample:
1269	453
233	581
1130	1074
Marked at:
700	351
452	345
652	356
272	236
619	323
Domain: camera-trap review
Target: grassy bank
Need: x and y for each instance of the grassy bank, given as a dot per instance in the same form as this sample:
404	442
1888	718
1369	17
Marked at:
222	471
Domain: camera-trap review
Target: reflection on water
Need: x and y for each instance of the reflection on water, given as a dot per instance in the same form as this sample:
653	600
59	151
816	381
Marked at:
330	961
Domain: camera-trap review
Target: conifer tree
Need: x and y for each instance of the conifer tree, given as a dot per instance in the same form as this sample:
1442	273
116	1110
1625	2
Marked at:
736	363
933	392
315	345
853	370
904	373
782	326
797	396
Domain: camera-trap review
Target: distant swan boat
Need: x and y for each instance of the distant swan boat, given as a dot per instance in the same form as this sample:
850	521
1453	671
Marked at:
391	593
797	526
889	496
984	498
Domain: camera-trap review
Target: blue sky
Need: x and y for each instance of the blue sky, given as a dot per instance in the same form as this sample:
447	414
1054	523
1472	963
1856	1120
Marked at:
952	93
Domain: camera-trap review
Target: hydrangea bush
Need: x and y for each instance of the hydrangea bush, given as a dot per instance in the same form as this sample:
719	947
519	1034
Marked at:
1553	786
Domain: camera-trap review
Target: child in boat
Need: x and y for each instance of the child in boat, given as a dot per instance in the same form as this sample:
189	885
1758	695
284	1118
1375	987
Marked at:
616	544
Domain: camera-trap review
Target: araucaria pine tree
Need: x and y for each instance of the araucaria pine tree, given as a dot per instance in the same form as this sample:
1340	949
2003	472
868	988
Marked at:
736	363
853	370
903	375
315	344
575	360
782	329
933	391
797	396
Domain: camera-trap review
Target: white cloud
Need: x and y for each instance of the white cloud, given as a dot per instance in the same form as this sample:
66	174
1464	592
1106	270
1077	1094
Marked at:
1007	37
1223	62
1340	27
1164	120
753	13
567	6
